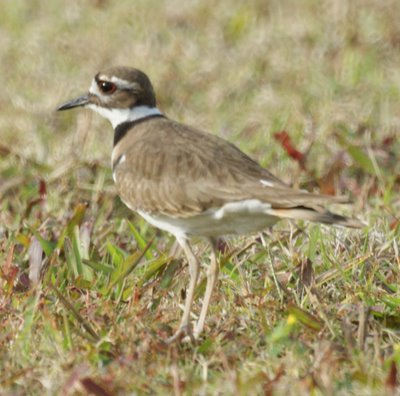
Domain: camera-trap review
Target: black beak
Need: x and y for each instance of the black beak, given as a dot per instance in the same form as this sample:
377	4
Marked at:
78	102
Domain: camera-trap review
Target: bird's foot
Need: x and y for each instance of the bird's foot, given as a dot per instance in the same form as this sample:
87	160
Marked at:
194	336
184	333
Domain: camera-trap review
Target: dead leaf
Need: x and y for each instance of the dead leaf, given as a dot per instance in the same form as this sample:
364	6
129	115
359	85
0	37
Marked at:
284	139
93	388
391	379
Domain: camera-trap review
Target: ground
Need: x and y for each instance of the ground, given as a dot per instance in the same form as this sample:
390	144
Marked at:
308	88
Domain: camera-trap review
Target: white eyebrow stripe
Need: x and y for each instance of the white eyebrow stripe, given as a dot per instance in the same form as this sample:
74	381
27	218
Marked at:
121	83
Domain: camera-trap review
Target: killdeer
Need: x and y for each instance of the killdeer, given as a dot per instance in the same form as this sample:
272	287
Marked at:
189	182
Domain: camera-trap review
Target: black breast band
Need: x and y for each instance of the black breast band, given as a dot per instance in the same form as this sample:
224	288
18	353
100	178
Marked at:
121	129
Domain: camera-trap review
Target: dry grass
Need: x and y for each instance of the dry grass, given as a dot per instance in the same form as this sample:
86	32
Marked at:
302	308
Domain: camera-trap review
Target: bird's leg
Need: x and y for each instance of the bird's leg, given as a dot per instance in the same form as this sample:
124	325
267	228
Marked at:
194	267
212	276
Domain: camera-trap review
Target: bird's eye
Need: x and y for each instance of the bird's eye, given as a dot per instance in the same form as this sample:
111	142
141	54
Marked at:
107	87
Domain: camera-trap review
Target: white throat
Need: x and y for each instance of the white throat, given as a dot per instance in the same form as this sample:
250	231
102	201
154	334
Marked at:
118	116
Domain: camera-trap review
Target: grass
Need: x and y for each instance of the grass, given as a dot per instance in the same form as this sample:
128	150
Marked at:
300	309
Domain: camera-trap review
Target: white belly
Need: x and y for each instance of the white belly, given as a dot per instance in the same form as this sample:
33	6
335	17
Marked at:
234	218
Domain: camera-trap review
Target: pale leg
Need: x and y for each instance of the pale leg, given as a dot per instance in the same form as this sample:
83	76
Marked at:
194	267
212	277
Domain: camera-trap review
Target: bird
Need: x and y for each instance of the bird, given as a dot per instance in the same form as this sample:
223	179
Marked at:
191	183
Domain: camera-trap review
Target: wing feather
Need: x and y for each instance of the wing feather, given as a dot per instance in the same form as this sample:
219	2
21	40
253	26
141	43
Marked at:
179	171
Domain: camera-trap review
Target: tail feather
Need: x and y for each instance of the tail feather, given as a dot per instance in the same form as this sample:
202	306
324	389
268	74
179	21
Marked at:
325	217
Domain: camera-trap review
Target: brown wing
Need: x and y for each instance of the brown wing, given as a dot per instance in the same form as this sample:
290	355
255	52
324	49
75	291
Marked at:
179	171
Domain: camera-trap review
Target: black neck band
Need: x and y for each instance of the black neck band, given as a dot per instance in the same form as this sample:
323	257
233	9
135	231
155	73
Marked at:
121	129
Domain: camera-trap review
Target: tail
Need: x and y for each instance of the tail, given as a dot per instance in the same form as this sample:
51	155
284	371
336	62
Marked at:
319	216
